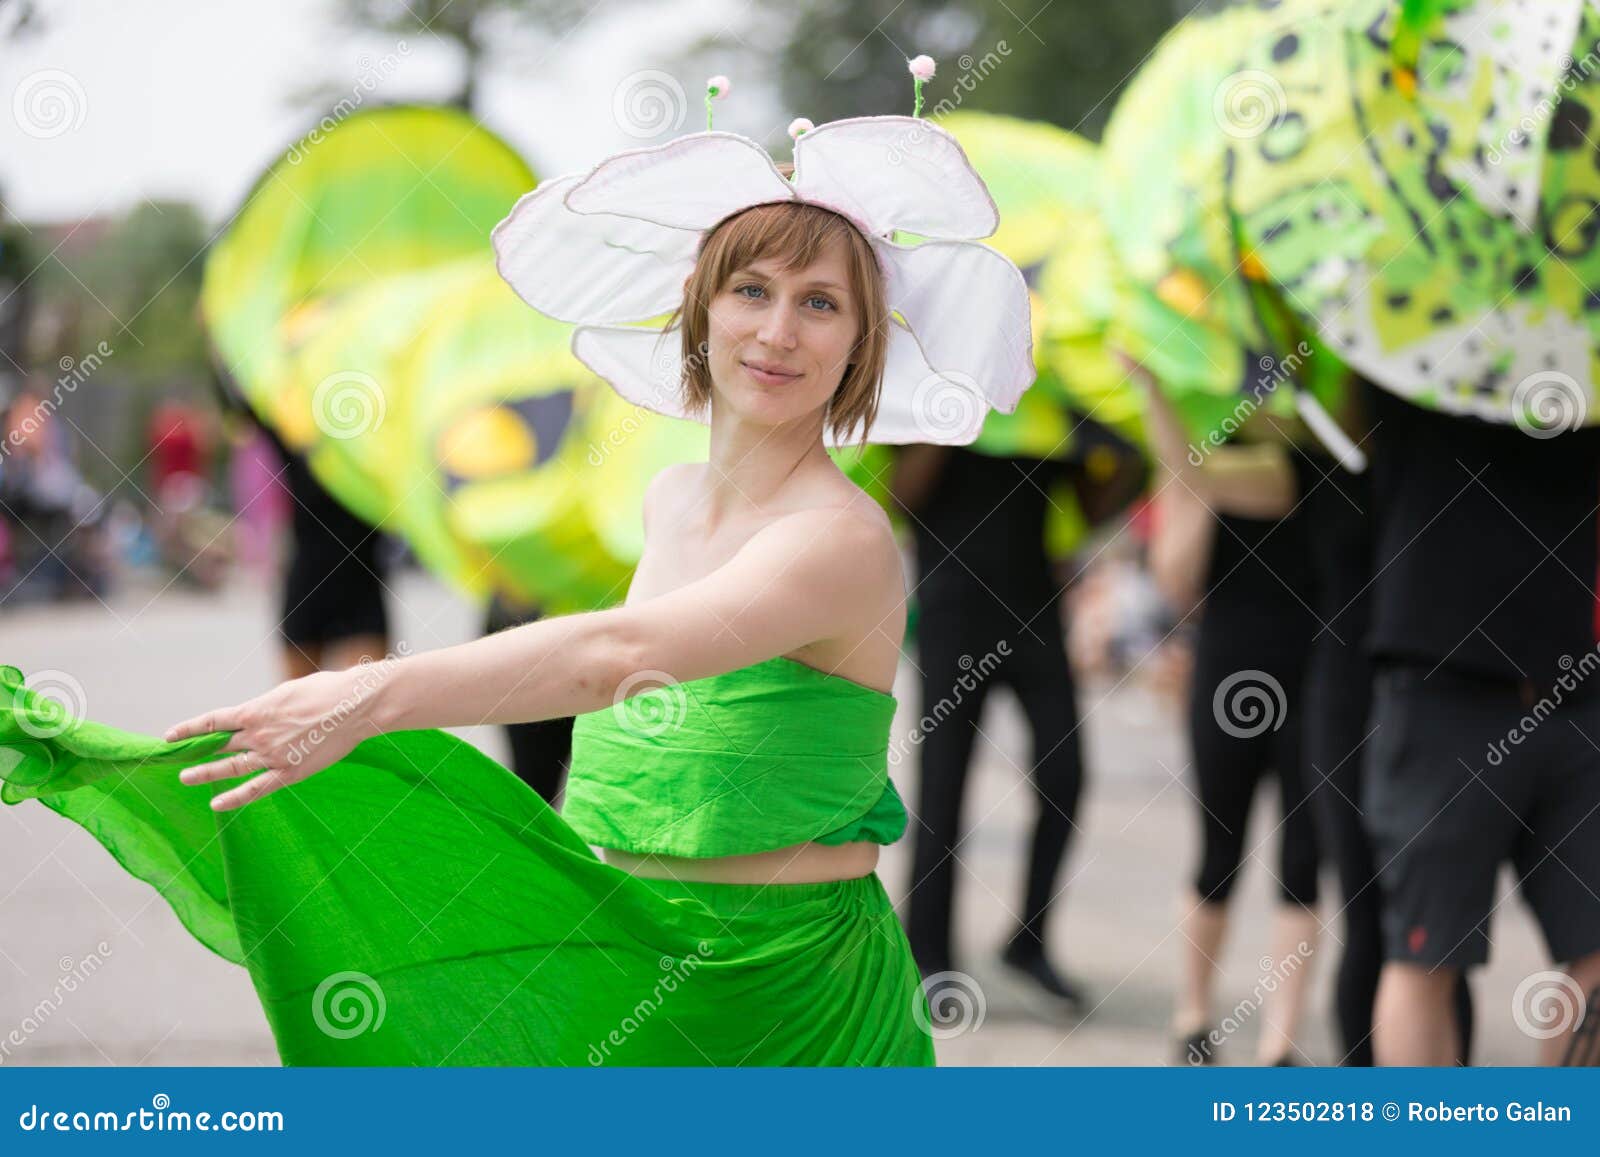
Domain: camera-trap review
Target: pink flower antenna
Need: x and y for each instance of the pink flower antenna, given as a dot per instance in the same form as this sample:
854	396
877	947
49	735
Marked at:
922	68
717	88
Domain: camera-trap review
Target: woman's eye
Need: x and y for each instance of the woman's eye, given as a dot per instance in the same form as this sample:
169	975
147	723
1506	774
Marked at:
741	290
826	304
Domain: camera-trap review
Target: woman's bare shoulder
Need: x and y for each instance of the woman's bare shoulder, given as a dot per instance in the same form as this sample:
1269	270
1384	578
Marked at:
664	492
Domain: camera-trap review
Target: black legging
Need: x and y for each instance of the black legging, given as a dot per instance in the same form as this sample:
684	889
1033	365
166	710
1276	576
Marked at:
1244	723
957	649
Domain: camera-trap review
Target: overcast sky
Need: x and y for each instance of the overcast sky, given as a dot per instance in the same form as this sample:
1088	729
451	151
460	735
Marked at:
116	101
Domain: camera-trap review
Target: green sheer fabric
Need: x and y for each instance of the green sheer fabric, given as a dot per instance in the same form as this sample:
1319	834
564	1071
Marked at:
417	904
771	755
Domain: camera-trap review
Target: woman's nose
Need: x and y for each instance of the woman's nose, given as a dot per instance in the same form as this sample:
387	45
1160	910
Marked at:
778	328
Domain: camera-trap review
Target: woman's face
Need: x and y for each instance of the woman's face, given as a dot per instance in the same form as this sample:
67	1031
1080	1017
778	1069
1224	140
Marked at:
779	340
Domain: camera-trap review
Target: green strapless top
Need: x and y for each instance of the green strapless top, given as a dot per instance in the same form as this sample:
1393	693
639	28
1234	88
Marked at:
770	755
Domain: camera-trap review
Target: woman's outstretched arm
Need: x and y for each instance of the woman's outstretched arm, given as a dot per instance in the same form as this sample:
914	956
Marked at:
810	576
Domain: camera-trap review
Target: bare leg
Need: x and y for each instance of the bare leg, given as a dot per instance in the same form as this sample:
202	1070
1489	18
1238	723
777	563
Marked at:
1204	927
1414	1017
1296	926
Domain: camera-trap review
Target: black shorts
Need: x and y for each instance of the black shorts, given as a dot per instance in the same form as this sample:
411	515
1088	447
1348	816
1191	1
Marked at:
333	593
1448	797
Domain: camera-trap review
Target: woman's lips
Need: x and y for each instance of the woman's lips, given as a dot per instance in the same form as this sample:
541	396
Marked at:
768	377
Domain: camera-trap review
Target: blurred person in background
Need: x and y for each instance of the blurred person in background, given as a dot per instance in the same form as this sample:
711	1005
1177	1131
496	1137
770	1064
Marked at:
1485	719
54	512
1337	505
192	535
1229	544
332	608
990	612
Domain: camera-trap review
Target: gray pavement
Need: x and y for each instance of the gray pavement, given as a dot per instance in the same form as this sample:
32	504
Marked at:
155	997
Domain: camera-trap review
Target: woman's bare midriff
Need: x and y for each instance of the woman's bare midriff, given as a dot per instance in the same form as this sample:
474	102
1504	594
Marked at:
798	864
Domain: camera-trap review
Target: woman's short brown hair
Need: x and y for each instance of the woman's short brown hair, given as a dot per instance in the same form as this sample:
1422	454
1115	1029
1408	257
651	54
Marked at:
794	233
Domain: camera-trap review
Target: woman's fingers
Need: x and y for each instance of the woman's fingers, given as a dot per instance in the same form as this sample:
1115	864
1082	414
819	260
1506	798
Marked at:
224	719
251	790
242	763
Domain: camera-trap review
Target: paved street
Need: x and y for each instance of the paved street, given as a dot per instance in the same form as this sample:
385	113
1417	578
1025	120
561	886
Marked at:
161	999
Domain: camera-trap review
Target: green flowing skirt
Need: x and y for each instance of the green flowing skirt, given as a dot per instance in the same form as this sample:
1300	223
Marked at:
417	904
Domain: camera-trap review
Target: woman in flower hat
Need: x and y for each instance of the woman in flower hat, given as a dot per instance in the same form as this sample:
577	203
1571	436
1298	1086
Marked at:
399	898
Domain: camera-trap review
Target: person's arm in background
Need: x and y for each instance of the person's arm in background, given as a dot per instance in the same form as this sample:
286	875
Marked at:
1193	486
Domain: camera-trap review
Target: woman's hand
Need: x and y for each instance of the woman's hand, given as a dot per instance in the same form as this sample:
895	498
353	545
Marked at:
288	734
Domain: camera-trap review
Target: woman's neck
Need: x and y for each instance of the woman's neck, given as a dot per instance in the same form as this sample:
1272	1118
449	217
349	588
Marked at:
750	465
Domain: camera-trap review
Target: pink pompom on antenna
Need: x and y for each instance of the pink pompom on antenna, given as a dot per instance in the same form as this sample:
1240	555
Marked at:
718	86
800	125
921	67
